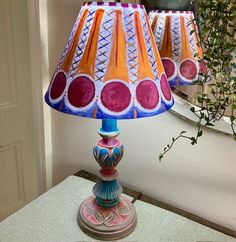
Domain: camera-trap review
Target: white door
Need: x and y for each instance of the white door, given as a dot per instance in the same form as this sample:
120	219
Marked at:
18	163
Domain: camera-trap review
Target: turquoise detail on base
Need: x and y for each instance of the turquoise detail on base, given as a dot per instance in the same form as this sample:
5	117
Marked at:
109	125
107	203
107	190
108	157
108	153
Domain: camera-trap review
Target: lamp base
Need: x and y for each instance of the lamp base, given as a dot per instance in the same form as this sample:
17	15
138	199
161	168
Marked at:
107	223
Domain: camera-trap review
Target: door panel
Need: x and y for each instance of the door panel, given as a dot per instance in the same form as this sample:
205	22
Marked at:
12	190
18	162
7	87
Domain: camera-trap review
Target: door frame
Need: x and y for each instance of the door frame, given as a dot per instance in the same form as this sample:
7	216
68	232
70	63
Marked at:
37	24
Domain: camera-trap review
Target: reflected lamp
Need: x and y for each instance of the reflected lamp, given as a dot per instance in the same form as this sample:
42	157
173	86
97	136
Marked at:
177	40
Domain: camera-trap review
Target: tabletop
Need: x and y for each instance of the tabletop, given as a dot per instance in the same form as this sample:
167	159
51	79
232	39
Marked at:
52	217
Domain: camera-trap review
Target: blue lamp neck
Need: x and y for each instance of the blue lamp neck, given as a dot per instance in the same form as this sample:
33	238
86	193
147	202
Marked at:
109	125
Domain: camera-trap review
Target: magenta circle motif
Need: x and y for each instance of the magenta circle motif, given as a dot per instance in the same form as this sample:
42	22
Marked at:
58	85
188	69
147	94
165	87
81	92
115	96
169	67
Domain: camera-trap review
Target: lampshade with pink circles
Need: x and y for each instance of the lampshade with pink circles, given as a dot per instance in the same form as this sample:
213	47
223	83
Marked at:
110	67
177	39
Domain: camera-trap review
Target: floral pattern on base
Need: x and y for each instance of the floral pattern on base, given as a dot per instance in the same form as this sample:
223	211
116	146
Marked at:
110	217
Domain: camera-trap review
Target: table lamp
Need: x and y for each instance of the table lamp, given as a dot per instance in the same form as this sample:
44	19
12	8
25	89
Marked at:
177	39
110	69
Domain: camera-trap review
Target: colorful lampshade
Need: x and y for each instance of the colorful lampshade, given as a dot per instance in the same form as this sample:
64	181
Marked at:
176	38
110	67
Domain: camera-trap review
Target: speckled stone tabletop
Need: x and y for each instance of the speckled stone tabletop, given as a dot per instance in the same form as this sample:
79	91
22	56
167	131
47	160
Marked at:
52	217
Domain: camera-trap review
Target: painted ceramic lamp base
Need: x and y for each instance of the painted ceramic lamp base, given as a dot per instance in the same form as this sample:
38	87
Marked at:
107	223
107	215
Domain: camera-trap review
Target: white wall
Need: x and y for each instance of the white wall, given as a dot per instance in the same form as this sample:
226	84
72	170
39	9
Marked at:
199	179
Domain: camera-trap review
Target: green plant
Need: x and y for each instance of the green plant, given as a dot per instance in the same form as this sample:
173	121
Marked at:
216	19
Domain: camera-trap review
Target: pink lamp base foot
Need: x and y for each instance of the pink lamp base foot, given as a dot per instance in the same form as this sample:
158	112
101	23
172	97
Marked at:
107	223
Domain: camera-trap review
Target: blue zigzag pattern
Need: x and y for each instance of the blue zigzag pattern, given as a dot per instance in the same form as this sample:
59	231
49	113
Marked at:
190	36
82	43
176	41
159	31
104	45
147	38
128	19
70	39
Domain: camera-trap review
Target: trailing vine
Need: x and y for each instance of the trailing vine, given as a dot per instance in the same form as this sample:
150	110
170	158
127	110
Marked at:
216	21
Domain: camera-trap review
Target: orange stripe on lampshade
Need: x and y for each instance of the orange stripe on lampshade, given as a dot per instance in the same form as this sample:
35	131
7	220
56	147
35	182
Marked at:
154	23
86	65
144	69
65	66
166	48
160	67
117	66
